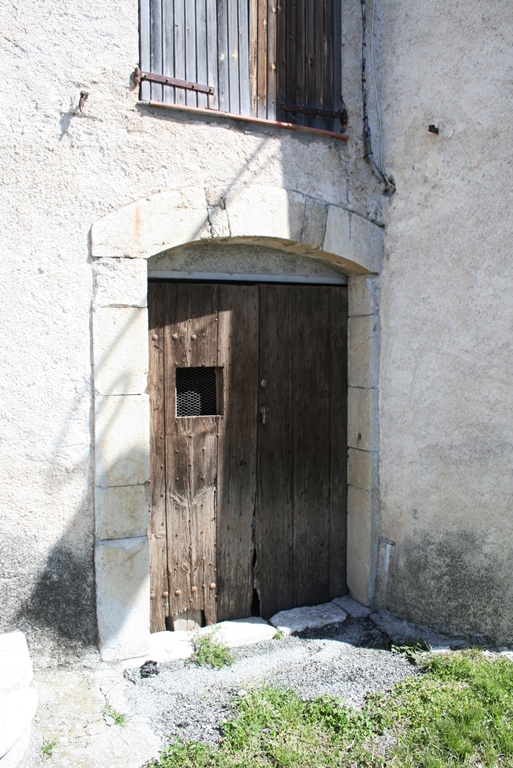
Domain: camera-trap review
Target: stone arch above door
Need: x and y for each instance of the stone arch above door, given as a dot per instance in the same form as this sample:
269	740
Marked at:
121	244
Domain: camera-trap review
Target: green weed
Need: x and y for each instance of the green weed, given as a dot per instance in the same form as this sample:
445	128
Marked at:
210	650
48	747
118	717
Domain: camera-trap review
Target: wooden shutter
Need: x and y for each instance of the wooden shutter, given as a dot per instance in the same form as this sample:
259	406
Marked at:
271	59
309	63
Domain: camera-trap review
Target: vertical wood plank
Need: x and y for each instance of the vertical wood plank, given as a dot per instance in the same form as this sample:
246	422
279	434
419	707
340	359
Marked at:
212	53
253	56
233	55
156	46
336	57
191	455
327	63
168	48
159	605
299	96
179	38
338	441
223	56
311	11
244	57
311	445
201	50
275	478
318	64
238	355
191	98
262	59
272	54
144	45
283	14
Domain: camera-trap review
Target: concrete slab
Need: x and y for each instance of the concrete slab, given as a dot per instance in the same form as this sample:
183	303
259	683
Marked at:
352	607
310	617
245	631
15	665
170	646
401	632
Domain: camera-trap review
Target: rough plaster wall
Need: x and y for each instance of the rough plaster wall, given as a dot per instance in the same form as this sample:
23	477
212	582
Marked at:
60	172
241	259
447	315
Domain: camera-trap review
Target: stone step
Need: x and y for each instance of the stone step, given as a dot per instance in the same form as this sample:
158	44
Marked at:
17	709
15	664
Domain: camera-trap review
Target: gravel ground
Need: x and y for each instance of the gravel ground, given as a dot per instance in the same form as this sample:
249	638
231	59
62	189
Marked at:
346	660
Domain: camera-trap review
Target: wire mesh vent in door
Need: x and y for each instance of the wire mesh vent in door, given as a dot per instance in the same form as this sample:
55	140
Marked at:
196	391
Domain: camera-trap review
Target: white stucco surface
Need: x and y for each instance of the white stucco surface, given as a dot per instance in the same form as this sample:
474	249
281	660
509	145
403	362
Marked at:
447	315
61	172
87	197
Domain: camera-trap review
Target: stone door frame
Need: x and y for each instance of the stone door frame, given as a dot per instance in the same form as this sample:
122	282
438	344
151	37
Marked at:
121	244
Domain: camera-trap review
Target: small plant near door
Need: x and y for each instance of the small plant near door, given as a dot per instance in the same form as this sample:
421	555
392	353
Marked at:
210	650
48	747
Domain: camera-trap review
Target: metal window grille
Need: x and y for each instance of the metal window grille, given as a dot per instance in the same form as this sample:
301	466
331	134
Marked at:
196	391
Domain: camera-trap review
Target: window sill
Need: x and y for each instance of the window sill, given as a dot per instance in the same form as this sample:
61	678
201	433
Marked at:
244	118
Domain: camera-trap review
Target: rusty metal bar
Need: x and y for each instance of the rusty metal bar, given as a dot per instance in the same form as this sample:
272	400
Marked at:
245	118
188	85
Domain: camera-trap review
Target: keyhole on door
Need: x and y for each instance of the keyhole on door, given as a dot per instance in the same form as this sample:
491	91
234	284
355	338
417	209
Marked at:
264	410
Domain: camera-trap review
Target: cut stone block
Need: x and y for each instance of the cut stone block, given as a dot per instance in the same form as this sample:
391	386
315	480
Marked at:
120	282
354	238
122	440
151	225
120	350
266	212
309	617
363	295
362	469
17	709
15	664
121	512
362	418
362	515
123	597
363	351
352	607
244	631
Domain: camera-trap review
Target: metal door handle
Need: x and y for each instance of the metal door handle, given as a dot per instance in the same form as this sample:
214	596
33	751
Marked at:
264	410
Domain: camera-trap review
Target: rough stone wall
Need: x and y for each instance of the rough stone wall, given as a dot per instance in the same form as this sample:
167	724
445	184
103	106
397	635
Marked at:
60	171
447	315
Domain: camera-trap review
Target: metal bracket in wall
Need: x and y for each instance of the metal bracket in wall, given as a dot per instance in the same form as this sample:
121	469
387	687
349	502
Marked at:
139	76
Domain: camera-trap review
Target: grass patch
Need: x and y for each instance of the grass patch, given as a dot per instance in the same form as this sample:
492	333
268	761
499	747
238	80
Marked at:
210	650
459	712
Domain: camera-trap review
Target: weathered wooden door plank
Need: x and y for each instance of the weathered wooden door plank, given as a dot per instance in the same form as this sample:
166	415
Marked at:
190	340
311	444
238	356
338	441
159	585
275	496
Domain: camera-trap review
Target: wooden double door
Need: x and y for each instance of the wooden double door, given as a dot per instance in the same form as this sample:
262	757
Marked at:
248	442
